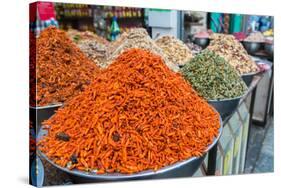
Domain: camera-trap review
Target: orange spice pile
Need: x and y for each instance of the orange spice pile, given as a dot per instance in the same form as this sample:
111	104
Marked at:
135	115
32	69
62	70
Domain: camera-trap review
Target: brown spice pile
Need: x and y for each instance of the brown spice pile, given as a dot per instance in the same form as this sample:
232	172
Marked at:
177	52
232	51
94	51
78	36
136	115
62	70
139	38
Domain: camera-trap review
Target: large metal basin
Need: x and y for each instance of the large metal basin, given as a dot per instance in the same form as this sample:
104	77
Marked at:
248	78
39	114
180	169
252	47
202	42
225	106
268	47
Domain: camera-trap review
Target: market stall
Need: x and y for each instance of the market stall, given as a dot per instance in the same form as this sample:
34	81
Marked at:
140	107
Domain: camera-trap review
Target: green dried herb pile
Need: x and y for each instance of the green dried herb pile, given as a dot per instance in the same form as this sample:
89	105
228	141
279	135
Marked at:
213	77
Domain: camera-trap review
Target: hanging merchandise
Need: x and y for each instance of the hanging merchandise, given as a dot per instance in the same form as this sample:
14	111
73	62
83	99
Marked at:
114	29
235	23
216	23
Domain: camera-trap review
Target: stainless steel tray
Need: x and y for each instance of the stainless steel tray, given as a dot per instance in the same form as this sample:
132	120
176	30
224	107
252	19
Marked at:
184	168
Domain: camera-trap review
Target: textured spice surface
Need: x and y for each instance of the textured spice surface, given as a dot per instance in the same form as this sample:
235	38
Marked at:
32	69
255	37
136	115
213	77
177	52
94	51
233	52
139	38
62	70
78	36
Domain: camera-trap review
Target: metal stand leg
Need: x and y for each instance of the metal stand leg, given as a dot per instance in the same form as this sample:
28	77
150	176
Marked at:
251	111
212	161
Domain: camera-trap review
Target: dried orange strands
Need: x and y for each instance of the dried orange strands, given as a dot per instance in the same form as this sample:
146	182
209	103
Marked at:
135	115
62	70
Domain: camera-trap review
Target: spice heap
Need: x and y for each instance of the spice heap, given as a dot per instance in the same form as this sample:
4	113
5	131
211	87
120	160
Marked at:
135	115
32	69
195	49
62	70
176	51
255	37
78	36
233	52
139	38
212	77
116	43
94	51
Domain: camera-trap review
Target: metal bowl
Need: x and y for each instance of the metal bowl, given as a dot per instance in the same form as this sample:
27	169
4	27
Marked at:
202	42
39	114
248	77
180	169
268	47
225	107
268	63
252	47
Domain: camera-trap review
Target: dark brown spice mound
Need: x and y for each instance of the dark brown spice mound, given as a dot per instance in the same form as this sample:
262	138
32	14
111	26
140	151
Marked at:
62	69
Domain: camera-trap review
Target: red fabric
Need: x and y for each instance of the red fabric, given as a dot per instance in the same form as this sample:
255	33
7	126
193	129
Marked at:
32	12
46	10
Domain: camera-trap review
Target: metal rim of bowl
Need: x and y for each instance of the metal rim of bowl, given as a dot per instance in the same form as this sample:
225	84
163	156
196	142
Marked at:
227	99
46	107
265	62
146	173
256	42
251	73
203	38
